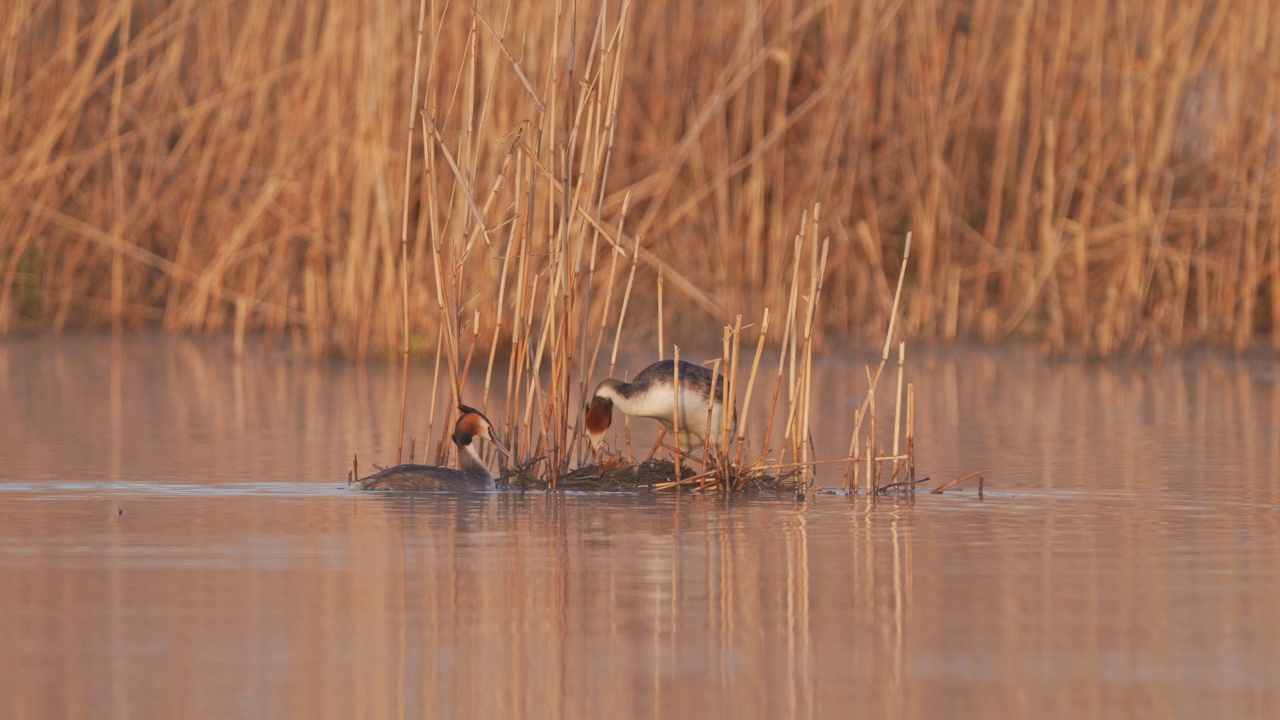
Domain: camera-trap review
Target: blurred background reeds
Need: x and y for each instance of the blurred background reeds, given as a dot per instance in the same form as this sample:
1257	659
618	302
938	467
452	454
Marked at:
1098	176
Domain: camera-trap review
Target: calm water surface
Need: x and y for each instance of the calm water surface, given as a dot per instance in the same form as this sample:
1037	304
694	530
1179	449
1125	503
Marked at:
176	541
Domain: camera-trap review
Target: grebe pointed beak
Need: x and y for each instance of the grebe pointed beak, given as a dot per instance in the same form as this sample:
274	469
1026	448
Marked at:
494	441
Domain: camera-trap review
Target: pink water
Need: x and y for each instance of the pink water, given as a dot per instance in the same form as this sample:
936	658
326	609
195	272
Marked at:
176	541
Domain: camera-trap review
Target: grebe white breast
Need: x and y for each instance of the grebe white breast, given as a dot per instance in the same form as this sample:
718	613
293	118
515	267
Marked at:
472	473
650	395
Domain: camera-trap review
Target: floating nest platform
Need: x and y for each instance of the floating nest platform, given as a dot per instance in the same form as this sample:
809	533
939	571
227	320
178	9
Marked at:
656	475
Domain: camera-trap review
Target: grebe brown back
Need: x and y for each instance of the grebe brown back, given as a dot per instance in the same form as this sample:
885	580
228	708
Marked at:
650	395
472	473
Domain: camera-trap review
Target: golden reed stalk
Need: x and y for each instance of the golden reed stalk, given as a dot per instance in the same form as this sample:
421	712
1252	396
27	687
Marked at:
1089	179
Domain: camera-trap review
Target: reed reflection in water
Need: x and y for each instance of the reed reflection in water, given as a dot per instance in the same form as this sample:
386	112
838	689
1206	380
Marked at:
175	542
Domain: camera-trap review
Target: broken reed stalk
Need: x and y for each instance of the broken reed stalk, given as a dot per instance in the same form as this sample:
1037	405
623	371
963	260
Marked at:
897	398
906	483
726	354
731	389
751	383
707	440
911	432
873	479
526	386
723	450
947	486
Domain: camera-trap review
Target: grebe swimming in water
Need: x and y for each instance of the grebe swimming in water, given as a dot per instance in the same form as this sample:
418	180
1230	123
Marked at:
472	473
650	395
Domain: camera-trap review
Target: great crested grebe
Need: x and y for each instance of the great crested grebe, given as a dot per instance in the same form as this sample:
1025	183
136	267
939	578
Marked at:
650	395
472	473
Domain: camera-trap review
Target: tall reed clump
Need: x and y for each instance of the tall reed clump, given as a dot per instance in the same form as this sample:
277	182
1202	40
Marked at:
726	461
871	466
1102	177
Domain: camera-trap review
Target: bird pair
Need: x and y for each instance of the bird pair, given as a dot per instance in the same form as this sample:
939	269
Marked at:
650	395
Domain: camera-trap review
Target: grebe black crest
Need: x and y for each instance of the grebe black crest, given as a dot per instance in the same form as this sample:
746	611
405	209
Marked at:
651	395
471	474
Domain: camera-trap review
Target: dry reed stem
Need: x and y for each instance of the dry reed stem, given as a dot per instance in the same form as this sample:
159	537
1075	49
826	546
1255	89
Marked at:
897	397
661	318
911	431
947	486
675	404
816	294
404	228
707	441
873	479
907	483
726	356
751	383
622	312
731	388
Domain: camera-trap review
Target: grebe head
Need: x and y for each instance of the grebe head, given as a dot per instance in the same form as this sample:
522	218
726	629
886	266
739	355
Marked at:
599	418
600	410
474	424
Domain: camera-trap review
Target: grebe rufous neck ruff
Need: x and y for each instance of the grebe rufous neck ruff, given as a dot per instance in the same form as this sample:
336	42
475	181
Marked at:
650	395
472	474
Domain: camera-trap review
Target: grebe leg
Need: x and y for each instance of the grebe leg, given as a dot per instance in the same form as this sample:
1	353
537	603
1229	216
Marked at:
657	444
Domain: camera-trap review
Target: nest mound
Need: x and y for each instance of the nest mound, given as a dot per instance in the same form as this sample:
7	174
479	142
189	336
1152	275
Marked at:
655	474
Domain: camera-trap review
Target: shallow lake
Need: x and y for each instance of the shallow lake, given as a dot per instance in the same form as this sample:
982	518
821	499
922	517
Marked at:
176	540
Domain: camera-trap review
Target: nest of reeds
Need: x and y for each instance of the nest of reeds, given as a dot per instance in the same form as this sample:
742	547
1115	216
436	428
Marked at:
655	474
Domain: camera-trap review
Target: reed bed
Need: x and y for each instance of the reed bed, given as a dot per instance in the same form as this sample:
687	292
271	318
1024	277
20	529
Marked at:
499	186
1101	178
547	436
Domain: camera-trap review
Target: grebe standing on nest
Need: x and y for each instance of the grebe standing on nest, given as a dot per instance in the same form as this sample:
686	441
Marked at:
650	395
472	474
